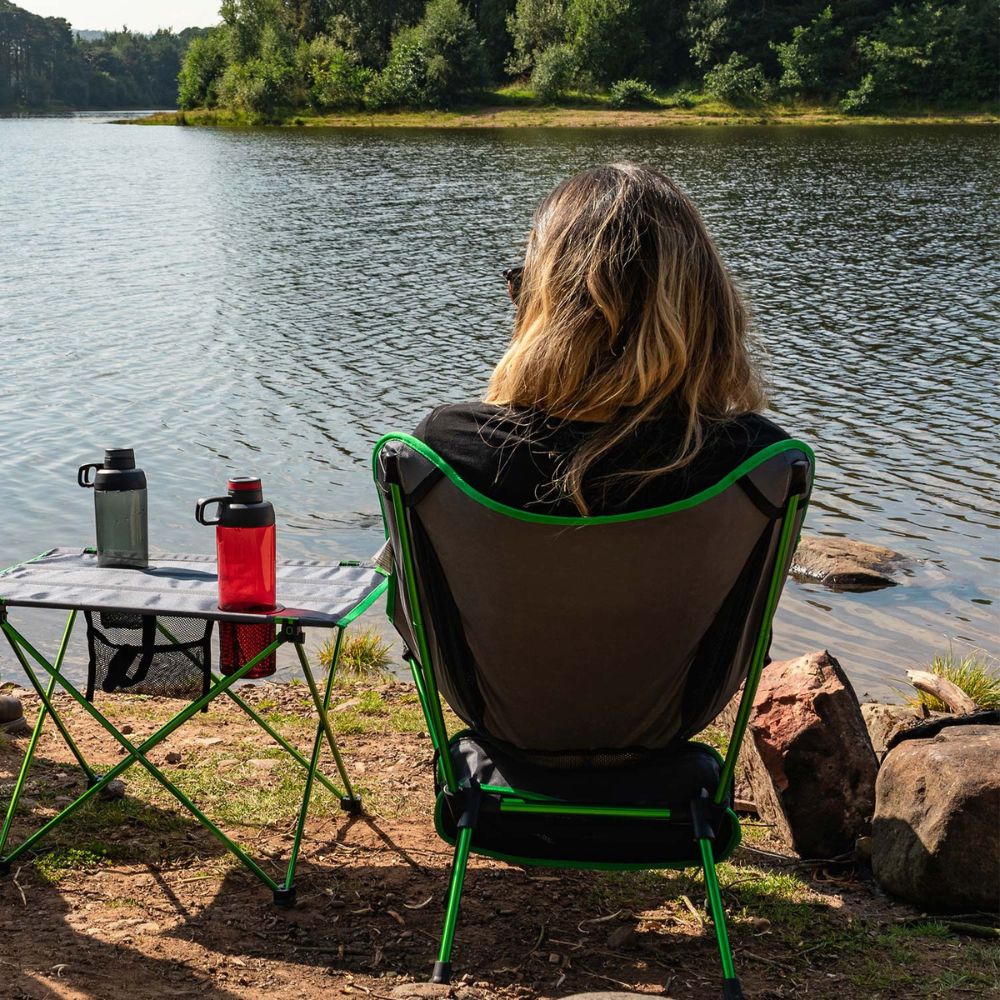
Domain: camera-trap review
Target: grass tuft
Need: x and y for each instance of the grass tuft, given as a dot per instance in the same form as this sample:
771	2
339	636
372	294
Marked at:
53	866
975	673
362	654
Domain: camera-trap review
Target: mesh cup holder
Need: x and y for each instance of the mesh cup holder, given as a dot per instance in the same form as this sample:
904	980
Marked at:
148	654
238	644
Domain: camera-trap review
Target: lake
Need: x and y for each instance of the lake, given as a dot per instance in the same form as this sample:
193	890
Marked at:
271	301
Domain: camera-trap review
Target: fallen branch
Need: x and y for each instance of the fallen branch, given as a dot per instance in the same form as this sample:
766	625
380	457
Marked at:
942	689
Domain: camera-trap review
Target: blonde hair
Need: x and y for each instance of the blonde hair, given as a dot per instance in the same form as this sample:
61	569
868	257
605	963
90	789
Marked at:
625	308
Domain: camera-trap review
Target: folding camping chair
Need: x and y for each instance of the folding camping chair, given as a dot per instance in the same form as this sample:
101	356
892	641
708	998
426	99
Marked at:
583	653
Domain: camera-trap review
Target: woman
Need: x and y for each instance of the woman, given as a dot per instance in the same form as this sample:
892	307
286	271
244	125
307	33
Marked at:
627	383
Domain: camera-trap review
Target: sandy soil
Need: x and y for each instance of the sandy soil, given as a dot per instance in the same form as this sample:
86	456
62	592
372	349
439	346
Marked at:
134	899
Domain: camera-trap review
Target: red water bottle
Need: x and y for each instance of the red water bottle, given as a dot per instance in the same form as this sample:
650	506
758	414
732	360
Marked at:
245	545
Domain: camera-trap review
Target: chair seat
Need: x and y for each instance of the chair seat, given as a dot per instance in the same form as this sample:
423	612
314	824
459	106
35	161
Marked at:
668	779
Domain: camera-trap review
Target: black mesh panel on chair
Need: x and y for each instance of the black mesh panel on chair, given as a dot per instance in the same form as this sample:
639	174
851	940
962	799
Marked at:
148	654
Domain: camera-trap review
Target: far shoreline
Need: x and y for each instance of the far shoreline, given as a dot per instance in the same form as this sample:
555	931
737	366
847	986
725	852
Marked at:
555	117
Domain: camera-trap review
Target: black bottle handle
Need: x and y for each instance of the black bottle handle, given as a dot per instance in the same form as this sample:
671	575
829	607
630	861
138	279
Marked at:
81	473
199	510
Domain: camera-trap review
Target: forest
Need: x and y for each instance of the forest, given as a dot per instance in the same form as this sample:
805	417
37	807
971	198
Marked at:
270	58
43	64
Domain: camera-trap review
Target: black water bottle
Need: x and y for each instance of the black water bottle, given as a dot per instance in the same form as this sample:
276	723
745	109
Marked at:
119	508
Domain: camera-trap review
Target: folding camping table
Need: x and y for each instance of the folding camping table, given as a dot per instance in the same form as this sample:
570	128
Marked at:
314	595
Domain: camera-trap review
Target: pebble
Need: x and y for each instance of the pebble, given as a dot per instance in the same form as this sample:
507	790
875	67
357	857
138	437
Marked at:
112	790
174	757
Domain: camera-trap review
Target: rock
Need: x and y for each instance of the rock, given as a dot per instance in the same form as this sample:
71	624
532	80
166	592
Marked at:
114	789
411	991
885	721
808	757
10	709
934	836
126	729
843	564
12	720
16	727
263	764
605	996
174	757
623	937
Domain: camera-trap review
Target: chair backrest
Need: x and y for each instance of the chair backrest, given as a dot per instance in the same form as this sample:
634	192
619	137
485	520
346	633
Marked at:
587	635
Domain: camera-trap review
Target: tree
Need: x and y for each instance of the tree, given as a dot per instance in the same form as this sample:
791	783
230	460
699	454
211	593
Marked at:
809	61
738	81
535	26
607	38
456	62
433	63
201	72
927	51
554	72
708	28
333	75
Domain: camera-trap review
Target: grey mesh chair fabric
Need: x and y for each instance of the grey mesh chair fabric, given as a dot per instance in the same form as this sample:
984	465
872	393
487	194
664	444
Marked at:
583	654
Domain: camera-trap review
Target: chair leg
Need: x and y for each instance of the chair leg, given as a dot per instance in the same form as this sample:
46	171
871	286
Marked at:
731	988
442	967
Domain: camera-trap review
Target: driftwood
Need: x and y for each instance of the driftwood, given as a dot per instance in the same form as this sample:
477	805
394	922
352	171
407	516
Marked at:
942	689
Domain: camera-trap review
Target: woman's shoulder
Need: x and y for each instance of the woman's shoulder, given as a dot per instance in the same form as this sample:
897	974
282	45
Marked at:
455	419
755	431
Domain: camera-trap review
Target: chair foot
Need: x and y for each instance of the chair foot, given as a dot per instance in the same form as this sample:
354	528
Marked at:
351	804
92	779
285	896
4	867
442	972
732	990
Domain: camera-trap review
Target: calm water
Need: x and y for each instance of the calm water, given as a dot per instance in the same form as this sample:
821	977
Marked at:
271	301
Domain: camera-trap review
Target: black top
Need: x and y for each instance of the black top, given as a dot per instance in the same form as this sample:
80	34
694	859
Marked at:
513	456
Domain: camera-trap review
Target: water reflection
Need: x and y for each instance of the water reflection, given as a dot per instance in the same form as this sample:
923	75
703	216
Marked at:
272	301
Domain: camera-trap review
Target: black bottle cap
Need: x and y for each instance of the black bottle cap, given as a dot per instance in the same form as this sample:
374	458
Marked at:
119	458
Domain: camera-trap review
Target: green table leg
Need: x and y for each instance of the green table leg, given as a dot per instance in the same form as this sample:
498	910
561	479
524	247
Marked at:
282	742
137	754
350	802
45	696
321	708
36	733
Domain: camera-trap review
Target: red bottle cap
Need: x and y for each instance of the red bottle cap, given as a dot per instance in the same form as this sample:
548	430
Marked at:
239	484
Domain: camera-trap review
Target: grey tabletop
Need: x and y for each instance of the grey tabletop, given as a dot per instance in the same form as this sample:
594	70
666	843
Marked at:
316	594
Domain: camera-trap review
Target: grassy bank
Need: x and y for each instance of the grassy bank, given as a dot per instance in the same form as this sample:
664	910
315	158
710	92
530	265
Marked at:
517	108
134	893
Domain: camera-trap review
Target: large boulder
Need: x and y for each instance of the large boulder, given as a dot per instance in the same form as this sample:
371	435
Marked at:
937	809
843	564
807	757
886	721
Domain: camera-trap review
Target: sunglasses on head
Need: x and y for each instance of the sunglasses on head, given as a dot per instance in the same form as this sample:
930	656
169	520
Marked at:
513	277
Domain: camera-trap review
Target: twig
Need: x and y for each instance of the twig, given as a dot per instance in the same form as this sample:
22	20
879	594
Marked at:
768	961
24	899
601	920
942	689
418	906
697	916
607	979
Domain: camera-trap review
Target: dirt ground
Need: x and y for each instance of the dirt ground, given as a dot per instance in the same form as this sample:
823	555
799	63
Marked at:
132	898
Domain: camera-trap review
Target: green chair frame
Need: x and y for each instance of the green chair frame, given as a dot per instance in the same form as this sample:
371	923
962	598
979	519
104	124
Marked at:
511	800
289	632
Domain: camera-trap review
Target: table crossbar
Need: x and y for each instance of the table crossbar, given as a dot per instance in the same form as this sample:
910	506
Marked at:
283	889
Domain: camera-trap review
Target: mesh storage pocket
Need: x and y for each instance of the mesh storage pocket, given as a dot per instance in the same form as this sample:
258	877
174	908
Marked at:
148	654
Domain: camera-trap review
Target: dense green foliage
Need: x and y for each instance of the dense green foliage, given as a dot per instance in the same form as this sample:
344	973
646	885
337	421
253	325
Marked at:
43	64
271	57
869	55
